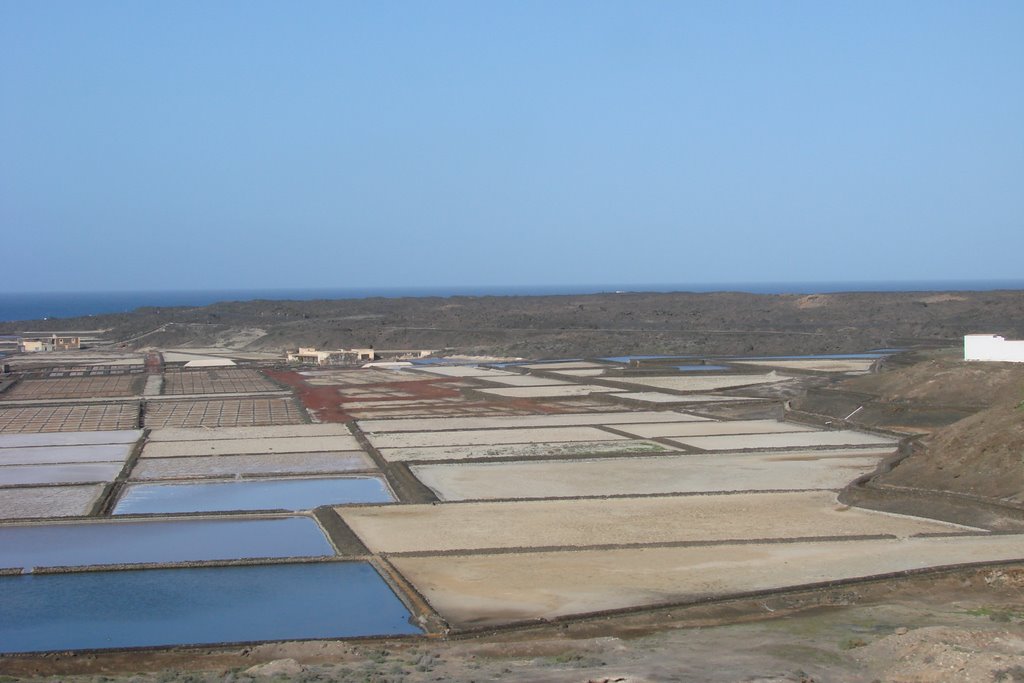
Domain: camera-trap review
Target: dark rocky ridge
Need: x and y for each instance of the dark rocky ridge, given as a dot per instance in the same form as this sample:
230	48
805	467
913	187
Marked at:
574	325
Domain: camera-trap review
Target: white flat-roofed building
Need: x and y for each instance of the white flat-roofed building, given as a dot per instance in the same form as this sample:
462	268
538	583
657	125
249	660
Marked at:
309	354
992	347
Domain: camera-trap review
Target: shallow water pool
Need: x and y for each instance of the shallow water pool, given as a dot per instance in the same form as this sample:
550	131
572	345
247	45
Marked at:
627	359
152	607
179	540
264	494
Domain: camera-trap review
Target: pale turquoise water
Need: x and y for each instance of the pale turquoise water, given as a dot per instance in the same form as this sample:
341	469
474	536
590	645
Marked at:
42	612
181	540
627	359
871	355
268	494
534	362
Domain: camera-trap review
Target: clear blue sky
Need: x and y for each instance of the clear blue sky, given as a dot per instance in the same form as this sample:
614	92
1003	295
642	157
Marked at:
178	144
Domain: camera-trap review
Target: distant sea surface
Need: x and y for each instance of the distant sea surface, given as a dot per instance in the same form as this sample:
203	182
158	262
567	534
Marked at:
37	306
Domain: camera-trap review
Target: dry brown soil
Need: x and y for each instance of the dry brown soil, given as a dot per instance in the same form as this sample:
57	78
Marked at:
980	455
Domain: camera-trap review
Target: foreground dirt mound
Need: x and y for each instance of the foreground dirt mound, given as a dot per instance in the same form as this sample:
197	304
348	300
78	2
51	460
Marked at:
940	653
982	455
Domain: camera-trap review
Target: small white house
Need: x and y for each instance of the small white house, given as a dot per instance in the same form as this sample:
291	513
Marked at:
992	347
309	354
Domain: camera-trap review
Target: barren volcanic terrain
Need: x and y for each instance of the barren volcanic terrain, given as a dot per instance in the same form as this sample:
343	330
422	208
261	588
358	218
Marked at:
577	325
604	518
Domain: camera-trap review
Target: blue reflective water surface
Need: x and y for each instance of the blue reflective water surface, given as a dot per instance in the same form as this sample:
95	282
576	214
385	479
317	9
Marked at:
152	607
627	359
270	494
181	540
820	356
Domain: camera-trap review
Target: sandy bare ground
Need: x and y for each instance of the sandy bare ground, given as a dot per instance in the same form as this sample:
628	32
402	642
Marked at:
647	475
790	440
285	444
492	589
818	365
465	371
648	431
267	432
525	381
654	398
621	521
492	436
566	391
525	451
513	421
684	383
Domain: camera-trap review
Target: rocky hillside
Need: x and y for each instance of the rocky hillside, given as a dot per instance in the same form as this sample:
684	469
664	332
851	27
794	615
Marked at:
556	326
981	455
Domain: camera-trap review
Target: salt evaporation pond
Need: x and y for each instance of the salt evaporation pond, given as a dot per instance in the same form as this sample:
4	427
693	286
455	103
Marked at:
155	607
869	355
629	359
271	494
700	368
183	540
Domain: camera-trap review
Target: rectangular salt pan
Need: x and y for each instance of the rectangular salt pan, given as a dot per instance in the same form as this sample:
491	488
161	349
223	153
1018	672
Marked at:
74	473
181	540
512	421
272	494
483	437
48	501
40	455
293	444
126	436
223	466
164	607
795	440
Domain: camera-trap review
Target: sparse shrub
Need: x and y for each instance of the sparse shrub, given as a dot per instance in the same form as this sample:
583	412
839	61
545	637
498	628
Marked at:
1014	674
851	643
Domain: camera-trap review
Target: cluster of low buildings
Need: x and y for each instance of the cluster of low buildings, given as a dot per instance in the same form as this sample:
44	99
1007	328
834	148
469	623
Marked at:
36	344
311	355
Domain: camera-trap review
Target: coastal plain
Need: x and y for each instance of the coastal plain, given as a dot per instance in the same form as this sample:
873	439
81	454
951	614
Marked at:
468	495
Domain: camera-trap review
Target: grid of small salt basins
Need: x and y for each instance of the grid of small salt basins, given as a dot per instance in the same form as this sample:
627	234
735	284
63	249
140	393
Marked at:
75	387
289	467
61	474
581	379
547	516
539	514
31	419
224	528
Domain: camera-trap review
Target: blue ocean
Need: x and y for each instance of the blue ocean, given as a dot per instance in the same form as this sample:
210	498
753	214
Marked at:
45	305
